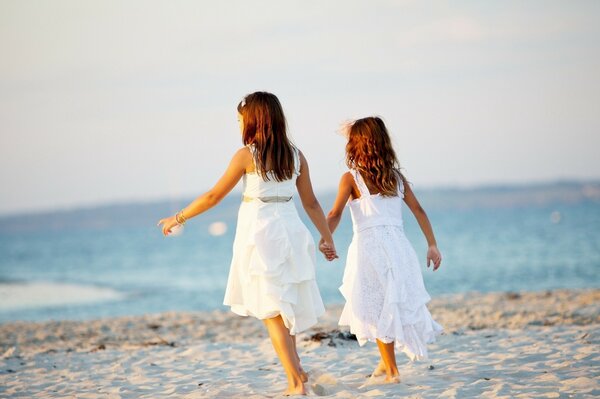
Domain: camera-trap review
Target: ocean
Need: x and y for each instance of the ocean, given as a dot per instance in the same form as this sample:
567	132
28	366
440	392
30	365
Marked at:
112	260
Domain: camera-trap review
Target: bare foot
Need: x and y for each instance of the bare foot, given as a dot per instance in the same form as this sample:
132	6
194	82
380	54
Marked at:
295	390
379	370
393	379
303	375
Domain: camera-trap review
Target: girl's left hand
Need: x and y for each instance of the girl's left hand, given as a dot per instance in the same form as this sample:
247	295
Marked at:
434	255
168	224
328	249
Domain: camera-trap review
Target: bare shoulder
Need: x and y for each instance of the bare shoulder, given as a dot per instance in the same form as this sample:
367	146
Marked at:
347	182
242	157
348	187
301	155
347	178
242	153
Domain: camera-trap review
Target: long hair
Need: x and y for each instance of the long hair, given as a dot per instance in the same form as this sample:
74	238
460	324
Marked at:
265	128
369	150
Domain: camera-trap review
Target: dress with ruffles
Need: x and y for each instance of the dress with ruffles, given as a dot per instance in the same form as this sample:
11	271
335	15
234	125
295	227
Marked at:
383	285
273	267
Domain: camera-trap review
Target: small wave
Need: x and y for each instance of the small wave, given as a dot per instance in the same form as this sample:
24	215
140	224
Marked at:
28	295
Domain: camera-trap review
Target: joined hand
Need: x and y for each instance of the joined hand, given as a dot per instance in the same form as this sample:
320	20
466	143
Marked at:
328	249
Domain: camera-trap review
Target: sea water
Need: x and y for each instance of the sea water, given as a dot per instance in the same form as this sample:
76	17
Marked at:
113	260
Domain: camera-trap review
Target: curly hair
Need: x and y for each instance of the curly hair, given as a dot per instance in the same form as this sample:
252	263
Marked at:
265	127
369	150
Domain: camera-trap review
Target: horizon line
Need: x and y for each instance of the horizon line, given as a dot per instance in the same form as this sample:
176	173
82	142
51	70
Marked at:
154	200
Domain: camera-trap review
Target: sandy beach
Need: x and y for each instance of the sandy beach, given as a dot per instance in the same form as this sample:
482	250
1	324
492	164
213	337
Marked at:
495	345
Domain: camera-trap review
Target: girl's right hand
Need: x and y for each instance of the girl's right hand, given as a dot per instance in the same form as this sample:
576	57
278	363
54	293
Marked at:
328	249
168	224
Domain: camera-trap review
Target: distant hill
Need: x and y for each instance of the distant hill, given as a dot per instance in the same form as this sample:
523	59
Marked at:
567	192
147	213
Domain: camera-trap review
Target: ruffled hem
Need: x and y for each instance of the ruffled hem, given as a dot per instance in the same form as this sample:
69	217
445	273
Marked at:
298	315
272	272
388	269
410	338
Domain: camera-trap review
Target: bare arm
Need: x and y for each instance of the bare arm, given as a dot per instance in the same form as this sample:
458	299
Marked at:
411	201
236	169
311	204
344	191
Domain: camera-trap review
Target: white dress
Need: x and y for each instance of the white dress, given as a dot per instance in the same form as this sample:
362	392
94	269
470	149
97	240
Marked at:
383	285
273	267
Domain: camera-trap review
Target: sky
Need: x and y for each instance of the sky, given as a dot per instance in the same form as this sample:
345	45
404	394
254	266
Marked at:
111	101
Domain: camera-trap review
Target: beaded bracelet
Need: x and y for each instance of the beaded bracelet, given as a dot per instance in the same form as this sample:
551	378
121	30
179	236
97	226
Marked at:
180	219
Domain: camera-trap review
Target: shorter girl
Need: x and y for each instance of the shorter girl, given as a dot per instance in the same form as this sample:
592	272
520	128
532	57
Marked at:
383	286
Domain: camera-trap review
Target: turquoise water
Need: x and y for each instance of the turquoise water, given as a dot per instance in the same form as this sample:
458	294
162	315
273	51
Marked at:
492	239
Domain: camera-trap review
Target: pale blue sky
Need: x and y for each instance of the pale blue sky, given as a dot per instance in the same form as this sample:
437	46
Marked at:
111	101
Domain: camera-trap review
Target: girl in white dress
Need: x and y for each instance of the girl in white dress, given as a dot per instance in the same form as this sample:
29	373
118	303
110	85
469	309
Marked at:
382	284
272	275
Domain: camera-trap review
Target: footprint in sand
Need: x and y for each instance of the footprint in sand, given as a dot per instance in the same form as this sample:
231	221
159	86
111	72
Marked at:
373	380
319	390
324	384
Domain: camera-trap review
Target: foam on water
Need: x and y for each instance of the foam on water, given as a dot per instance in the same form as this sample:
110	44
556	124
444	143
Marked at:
15	296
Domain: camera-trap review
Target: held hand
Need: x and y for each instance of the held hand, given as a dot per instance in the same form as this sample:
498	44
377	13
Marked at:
168	224
434	255
328	249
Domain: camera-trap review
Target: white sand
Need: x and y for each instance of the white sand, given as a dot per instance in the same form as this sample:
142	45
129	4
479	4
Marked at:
532	345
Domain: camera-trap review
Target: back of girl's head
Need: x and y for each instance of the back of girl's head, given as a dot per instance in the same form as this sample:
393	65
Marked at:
370	151
265	129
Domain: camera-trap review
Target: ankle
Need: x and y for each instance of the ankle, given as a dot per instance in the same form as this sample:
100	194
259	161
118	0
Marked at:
392	371
295	381
393	374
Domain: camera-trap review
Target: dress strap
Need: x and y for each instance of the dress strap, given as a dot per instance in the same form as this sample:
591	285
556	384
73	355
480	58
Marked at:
400	185
252	149
296	153
360	183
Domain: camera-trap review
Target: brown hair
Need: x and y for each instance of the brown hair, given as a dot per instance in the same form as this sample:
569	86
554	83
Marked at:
369	150
265	128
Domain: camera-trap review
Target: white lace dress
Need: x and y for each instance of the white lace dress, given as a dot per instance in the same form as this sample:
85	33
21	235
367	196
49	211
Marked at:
383	285
273	267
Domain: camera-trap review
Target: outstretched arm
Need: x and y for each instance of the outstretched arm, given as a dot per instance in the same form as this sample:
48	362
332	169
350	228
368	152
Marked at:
313	209
433	254
212	197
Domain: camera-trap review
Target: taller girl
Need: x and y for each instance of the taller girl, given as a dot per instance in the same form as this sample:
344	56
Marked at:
382	285
272	275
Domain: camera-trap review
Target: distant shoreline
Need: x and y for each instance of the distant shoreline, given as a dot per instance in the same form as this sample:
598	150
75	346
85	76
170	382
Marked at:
560	191
462	188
